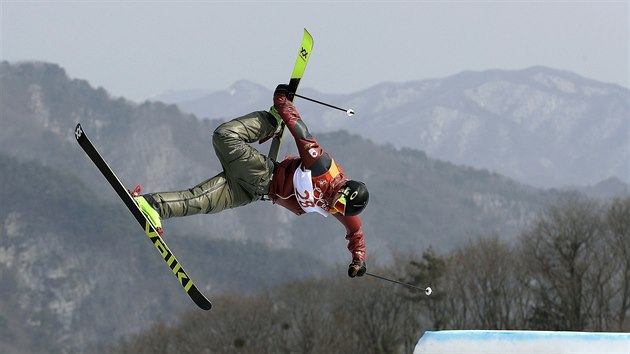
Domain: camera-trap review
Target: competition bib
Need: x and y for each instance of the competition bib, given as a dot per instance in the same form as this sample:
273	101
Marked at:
303	186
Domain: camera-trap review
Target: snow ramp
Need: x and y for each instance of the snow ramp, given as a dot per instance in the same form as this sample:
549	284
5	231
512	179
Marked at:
517	342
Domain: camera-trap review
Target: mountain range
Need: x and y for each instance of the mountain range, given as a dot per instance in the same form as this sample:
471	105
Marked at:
541	126
78	272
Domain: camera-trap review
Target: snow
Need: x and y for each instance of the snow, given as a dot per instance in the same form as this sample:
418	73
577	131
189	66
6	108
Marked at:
516	342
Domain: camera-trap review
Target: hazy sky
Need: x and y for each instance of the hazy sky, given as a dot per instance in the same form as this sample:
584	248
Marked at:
143	48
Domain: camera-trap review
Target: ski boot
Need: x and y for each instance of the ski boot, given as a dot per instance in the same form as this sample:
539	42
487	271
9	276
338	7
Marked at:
147	209
276	121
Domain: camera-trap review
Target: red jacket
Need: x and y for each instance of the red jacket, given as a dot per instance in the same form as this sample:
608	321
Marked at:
327	177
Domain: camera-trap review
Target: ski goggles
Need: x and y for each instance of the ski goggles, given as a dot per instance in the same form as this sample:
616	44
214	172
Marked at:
340	203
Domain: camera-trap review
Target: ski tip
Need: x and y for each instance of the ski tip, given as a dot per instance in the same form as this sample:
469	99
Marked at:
199	298
308	36
203	302
78	131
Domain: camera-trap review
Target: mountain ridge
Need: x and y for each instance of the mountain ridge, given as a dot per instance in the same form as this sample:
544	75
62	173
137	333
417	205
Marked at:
157	145
67	244
541	126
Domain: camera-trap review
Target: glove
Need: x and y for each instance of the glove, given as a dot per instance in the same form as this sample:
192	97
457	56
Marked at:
283	90
357	268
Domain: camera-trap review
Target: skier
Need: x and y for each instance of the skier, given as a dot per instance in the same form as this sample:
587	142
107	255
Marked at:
312	182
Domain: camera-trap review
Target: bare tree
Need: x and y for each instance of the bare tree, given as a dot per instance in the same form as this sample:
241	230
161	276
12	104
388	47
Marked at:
618	223
308	325
376	318
559	250
479	286
488	281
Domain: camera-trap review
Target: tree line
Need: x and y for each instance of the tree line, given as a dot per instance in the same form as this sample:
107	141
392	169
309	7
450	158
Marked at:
569	270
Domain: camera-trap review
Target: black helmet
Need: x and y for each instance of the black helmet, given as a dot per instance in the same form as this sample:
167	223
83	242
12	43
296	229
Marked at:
354	198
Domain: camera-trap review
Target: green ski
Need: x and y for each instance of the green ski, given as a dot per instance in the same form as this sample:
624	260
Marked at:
296	76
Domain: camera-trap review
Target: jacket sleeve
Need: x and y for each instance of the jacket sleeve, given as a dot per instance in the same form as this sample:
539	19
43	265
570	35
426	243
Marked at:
354	235
308	148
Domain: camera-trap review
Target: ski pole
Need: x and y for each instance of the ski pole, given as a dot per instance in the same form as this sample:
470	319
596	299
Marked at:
428	291
349	112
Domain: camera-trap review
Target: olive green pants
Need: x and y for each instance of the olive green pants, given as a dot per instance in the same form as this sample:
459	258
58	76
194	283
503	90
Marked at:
246	172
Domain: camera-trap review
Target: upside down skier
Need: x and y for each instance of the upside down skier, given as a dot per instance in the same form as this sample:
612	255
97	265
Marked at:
312	182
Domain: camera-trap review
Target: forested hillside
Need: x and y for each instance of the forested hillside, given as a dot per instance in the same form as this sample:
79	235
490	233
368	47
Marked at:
79	273
75	266
569	271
